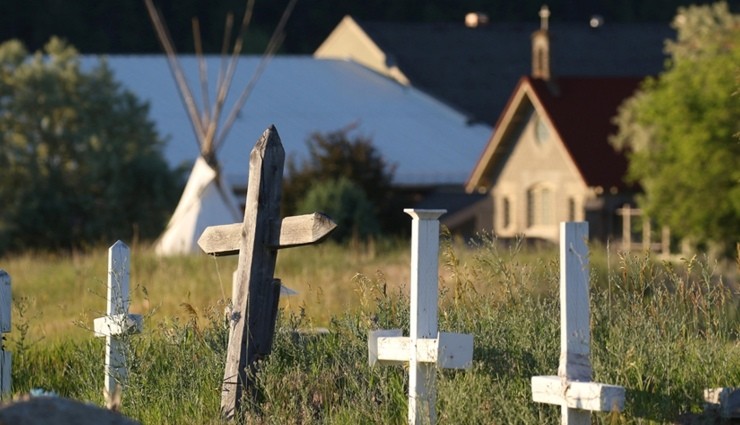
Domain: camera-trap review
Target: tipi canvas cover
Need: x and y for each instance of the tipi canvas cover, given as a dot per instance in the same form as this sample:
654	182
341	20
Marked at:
206	201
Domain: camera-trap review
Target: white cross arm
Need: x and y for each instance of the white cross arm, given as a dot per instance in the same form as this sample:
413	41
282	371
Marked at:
591	396
372	345
448	350
118	324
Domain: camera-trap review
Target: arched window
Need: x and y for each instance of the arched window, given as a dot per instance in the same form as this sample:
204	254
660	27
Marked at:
506	213
540	206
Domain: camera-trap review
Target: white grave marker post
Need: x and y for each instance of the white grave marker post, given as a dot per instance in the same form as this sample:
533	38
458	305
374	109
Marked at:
5	306
118	321
572	388
425	348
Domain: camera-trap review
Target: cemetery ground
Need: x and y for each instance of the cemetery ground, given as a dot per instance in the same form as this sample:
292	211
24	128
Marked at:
663	331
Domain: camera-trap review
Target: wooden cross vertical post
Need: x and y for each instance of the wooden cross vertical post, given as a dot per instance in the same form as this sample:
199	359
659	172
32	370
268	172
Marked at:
257	294
256	240
117	322
425	348
5	308
572	387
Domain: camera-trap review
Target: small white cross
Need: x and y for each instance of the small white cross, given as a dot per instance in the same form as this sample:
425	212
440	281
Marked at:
572	387
118	322
425	348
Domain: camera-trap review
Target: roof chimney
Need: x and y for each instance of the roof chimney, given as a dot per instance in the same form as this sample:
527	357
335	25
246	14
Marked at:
596	21
541	47
476	19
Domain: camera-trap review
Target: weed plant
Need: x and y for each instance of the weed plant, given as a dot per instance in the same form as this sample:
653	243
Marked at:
663	331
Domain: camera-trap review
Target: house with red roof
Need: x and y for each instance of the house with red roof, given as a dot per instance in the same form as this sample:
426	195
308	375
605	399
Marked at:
549	159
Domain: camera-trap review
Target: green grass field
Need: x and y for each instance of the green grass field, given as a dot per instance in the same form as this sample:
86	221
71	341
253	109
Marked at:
663	331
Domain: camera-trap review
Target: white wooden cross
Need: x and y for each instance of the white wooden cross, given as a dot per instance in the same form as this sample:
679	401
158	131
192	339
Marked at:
572	388
118	322
425	348
5	357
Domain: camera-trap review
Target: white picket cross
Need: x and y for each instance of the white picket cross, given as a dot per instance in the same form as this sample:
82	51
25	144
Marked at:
118	322
5	309
572	388
425	348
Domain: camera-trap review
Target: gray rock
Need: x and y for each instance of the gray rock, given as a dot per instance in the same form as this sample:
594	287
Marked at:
725	401
58	411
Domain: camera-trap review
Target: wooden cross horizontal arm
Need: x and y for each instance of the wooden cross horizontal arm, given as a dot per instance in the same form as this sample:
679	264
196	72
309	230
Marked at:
294	231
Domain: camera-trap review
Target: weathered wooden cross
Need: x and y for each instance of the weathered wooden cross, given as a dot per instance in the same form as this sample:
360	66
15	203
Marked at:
256	240
5	357
572	387
118	322
425	348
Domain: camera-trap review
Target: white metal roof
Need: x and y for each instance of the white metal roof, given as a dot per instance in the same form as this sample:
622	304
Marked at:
428	141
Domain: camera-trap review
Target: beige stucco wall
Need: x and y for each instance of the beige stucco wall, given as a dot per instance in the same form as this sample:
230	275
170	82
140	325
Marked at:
533	163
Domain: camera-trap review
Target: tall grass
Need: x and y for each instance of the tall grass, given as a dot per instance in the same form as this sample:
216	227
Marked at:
63	293
663	331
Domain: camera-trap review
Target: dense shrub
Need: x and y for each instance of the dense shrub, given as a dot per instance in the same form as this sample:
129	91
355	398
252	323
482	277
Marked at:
341	155
80	161
346	203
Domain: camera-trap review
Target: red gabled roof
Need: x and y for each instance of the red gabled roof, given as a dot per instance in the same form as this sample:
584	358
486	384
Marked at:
581	110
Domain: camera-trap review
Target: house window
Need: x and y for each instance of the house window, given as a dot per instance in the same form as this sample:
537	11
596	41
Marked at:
540	202
505	213
571	209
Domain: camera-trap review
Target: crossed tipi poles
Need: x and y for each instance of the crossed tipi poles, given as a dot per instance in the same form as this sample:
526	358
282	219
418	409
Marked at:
207	199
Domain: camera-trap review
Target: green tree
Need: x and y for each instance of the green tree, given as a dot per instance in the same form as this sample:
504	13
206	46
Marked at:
346	203
678	130
333	156
80	161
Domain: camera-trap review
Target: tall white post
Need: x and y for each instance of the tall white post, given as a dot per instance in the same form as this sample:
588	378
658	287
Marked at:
575	313
572	388
425	348
117	322
5	310
424	295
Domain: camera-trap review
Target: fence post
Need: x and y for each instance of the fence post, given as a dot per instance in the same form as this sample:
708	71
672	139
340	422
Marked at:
425	348
572	387
5	310
118	322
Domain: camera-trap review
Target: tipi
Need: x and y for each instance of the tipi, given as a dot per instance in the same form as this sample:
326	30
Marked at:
207	200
